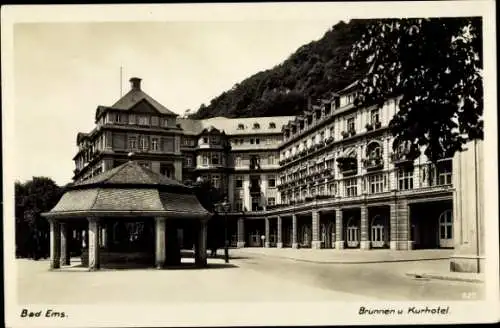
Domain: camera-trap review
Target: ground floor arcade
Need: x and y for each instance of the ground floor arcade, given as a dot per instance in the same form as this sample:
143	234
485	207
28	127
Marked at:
108	241
401	225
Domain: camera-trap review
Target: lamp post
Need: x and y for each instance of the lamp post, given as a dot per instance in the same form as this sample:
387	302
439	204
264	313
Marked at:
225	208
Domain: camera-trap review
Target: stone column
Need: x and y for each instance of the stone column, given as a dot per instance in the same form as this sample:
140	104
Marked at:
279	223
295	244
241	233
400	226
94	232
365	236
104	239
160	246
65	236
339	229
267	244
316	242
201	256
55	244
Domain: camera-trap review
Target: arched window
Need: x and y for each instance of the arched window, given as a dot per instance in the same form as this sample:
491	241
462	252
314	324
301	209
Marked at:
272	125
256	126
373	150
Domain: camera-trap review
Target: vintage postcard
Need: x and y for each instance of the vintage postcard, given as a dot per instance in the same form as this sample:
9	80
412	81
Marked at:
250	164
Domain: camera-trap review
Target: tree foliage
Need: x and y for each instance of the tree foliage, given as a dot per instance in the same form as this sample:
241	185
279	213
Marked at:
32	198
434	65
207	194
312	72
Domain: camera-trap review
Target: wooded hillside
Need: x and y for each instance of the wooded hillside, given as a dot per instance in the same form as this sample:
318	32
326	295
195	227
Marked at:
313	71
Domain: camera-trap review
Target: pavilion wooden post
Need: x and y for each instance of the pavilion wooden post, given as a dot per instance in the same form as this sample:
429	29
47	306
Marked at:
201	245
55	244
94	246
65	251
160	251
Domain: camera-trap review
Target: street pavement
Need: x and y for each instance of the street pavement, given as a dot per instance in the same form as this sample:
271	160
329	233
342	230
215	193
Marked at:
248	277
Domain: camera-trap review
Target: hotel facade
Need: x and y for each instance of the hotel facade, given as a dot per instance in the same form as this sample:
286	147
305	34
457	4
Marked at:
328	178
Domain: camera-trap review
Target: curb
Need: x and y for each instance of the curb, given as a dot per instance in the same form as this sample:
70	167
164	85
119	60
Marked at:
351	262
443	276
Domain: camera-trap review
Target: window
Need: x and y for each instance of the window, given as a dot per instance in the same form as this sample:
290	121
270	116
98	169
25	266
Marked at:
405	178
350	124
131	119
321	136
205	140
204	160
143	120
238	204
446	225
271	160
155	121
272	125
238	182
188	161
271	181
216	181
214	140
271	201
252	141
444	172
154	144
332	132
215	159
241	127
257	141
376	183
255	203
118	118
132	143
256	126
375	116
143	143
351	187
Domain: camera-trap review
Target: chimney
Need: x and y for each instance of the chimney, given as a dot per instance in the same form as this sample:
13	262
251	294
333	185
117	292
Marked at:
135	83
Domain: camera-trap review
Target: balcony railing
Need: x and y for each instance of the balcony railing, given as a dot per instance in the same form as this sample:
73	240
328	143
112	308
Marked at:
401	157
374	163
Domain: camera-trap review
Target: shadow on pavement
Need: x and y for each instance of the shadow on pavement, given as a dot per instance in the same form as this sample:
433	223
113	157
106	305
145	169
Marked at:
134	266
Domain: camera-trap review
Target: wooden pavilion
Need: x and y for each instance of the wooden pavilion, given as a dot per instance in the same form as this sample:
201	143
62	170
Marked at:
128	212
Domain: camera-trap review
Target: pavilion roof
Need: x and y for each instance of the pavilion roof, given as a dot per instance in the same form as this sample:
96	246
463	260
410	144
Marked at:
129	190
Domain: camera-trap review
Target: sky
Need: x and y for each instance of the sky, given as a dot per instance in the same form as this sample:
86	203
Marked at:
63	71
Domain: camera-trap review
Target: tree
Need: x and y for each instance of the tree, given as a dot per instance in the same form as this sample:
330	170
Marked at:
434	65
32	198
207	194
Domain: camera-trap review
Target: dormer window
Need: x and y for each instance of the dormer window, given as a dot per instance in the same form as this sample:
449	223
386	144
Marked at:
256	126
241	127
272	125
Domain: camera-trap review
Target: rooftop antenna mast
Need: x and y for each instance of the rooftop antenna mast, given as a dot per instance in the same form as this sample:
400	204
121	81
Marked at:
121	80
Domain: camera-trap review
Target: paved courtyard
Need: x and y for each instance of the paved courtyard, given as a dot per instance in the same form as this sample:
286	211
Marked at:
251	276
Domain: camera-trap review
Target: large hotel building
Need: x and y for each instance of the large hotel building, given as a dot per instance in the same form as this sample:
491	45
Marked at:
328	178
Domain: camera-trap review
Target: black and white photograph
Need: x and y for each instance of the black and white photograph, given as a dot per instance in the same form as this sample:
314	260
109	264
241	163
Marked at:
248	164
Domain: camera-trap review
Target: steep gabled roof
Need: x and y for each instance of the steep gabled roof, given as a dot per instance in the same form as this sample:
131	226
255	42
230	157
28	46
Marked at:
134	96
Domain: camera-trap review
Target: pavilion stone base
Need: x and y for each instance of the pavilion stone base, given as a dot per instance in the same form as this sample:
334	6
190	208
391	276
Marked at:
465	260
316	244
108	258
